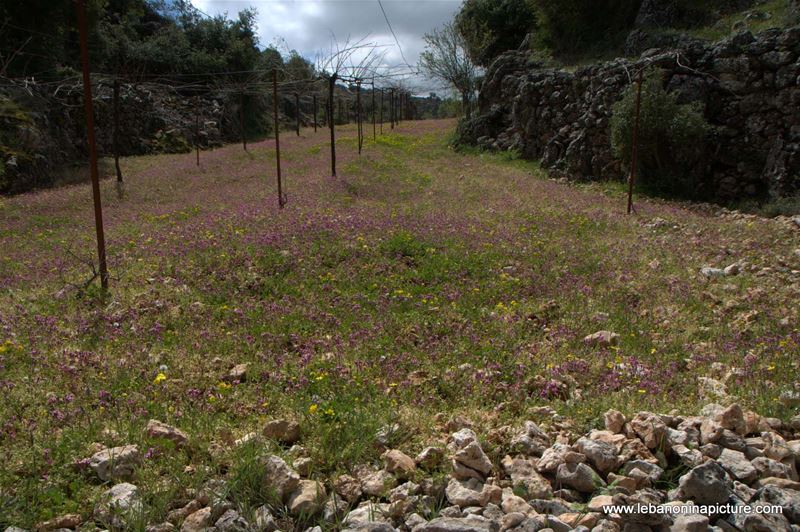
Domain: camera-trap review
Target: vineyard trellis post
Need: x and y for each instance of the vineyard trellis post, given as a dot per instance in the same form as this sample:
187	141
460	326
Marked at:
331	86
315	113
90	137
391	107
374	134
197	137
635	144
359	124
241	120
277	126
115	135
297	113
381	111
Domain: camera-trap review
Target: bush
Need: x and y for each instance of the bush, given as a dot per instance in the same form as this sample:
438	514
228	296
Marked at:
671	139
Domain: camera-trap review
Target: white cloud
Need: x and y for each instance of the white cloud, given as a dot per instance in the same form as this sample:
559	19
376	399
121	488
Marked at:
307	25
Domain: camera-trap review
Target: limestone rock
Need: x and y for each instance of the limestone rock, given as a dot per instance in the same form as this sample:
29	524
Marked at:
471	462
157	429
398	463
279	478
282	430
602	339
524	476
307	499
580	477
705	484
116	463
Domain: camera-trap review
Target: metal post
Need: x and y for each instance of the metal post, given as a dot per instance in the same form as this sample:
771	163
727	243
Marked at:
297	112
391	107
115	140
358	117
315	113
381	111
281	200
635	146
87	102
374	134
197	138
331	84
241	120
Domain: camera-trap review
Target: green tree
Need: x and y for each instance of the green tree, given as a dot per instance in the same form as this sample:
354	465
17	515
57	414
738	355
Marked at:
491	27
572	26
671	139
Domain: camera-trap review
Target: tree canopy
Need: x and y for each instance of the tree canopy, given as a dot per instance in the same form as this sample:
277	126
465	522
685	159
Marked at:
133	38
490	27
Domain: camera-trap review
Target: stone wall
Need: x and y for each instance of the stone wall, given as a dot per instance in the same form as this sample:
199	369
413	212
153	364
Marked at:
748	85
42	127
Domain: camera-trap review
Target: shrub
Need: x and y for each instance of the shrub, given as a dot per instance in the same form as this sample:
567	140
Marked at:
671	139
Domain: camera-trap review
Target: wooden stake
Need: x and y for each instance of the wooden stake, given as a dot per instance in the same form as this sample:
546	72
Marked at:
281	199
87	103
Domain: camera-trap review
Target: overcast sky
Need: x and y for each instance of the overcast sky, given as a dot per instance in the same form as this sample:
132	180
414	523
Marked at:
307	25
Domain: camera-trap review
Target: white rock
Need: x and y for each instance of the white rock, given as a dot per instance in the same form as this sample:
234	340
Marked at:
115	463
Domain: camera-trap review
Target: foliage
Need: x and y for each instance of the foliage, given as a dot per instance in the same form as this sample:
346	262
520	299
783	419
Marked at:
491	27
671	138
134	38
569	26
445	58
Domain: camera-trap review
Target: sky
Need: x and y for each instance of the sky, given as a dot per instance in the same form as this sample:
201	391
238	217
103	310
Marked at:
308	26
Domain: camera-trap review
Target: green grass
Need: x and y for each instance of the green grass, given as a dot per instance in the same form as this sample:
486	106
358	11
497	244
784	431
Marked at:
419	285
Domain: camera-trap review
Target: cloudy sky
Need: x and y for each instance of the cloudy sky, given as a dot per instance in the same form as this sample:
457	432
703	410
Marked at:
307	25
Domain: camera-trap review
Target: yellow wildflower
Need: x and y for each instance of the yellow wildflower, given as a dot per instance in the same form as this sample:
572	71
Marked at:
159	378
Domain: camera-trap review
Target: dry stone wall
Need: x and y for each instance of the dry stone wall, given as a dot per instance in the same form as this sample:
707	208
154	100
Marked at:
749	87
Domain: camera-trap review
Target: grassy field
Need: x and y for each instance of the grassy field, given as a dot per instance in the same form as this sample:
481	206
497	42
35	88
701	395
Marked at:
419	285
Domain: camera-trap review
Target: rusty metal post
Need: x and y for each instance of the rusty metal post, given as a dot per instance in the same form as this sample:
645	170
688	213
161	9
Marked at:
197	138
87	102
115	139
241	120
315	113
391	107
281	199
635	145
381	111
297	112
359	125
331	85
374	134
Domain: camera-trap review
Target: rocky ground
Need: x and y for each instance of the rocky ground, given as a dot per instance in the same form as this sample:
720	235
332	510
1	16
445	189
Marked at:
549	479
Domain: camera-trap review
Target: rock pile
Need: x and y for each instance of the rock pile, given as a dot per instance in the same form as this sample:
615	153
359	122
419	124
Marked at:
530	479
